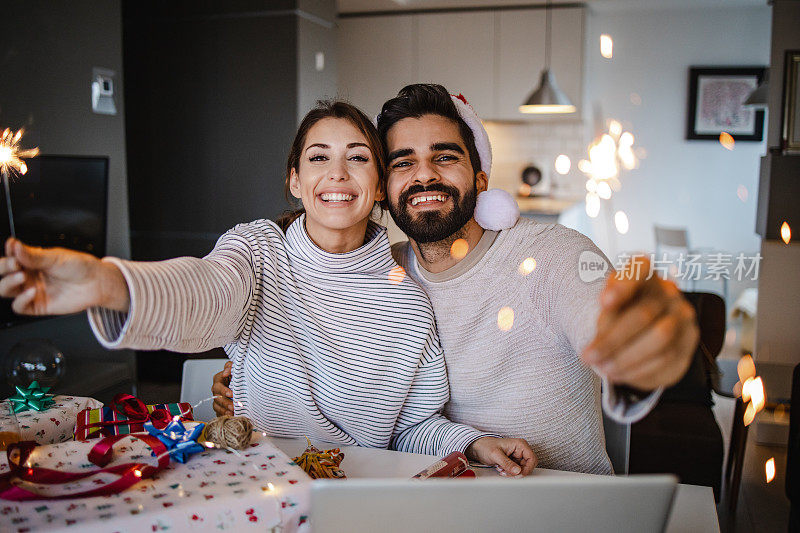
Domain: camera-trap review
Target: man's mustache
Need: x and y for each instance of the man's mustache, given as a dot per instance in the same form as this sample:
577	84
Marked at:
435	187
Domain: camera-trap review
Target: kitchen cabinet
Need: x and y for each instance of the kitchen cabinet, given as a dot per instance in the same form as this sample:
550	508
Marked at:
521	57
457	51
493	57
376	58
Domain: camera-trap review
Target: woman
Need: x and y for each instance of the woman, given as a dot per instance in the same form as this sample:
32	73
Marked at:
325	341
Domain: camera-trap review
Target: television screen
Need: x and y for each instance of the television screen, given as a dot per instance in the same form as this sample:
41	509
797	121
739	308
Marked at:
60	201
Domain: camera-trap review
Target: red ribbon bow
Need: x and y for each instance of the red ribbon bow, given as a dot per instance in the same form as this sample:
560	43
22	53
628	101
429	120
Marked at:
100	454
136	412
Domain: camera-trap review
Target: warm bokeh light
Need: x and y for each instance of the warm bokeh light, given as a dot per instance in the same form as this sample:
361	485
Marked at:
749	414
621	222
786	232
757	396
769	467
636	99
585	166
592	204
591	185
137	473
746	384
626	139
563	164
746	368
726	140
527	266
742	193
505	319
615	128
606	46
459	249
604	190
397	275
524	189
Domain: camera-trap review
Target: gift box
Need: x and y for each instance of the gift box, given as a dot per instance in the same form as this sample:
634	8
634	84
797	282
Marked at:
52	425
127	414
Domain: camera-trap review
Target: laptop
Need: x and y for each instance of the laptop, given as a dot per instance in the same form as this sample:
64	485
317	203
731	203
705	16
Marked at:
532	504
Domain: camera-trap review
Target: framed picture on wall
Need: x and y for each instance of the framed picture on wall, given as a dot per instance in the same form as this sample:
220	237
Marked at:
791	103
716	95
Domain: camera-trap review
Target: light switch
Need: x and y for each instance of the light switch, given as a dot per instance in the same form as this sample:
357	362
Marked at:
103	92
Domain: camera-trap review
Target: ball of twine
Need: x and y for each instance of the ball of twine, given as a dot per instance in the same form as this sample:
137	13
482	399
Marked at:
230	431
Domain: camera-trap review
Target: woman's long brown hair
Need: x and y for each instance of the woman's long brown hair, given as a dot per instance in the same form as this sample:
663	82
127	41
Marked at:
331	109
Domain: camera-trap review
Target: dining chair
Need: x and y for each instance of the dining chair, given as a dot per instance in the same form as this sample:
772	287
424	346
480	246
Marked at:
677	240
198	374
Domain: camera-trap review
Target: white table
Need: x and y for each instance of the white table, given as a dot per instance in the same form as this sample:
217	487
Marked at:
692	511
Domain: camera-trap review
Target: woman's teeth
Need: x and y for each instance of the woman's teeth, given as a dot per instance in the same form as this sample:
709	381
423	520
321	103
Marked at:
436	198
336	197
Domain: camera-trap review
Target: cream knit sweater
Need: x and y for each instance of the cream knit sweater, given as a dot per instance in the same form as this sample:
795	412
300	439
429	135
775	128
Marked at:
528	381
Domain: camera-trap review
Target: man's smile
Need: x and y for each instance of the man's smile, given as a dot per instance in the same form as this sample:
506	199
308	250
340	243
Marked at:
428	199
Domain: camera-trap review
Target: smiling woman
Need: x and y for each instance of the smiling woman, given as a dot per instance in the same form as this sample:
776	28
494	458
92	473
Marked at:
338	154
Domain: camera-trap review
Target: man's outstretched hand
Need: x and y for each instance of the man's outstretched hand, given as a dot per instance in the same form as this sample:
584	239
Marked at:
646	332
511	457
223	403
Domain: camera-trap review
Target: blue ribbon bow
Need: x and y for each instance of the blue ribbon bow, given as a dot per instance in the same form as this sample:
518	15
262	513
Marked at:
180	442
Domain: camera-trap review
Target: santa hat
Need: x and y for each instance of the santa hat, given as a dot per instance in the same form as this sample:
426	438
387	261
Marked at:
495	209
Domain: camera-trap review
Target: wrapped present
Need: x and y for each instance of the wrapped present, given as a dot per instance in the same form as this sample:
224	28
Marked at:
454	465
128	414
54	423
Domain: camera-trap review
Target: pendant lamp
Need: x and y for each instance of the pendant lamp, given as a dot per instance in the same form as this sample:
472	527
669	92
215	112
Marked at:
547	98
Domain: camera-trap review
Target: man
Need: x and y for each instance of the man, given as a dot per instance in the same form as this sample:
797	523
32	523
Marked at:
524	336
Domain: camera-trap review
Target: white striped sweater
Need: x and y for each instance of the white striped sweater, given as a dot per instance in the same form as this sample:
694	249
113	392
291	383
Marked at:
323	345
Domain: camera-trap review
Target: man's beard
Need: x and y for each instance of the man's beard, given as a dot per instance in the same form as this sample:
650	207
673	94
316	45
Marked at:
433	226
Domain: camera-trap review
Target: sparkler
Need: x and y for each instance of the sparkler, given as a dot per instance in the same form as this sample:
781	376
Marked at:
11	161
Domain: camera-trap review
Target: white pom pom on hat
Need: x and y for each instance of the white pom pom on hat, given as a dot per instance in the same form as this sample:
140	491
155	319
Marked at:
496	210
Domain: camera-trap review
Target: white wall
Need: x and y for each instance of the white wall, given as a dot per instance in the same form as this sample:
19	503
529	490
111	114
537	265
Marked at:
680	183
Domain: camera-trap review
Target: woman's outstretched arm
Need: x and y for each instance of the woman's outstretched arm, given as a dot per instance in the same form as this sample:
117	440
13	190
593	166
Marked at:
185	304
57	281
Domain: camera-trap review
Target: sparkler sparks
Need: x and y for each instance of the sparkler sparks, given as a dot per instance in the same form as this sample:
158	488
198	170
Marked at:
11	161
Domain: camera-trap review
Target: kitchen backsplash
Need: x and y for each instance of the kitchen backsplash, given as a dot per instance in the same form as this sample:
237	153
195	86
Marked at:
517	145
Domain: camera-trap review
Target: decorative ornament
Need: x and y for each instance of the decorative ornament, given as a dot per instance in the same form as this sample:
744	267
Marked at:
179	441
229	432
496	210
33	397
321	464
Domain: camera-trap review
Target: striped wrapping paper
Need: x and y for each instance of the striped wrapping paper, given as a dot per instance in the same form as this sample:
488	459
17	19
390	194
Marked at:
87	417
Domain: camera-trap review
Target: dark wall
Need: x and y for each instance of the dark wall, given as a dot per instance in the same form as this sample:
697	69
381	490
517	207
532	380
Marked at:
47	52
211	96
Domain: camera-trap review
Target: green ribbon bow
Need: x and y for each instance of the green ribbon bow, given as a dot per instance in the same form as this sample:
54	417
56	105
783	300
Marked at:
34	397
